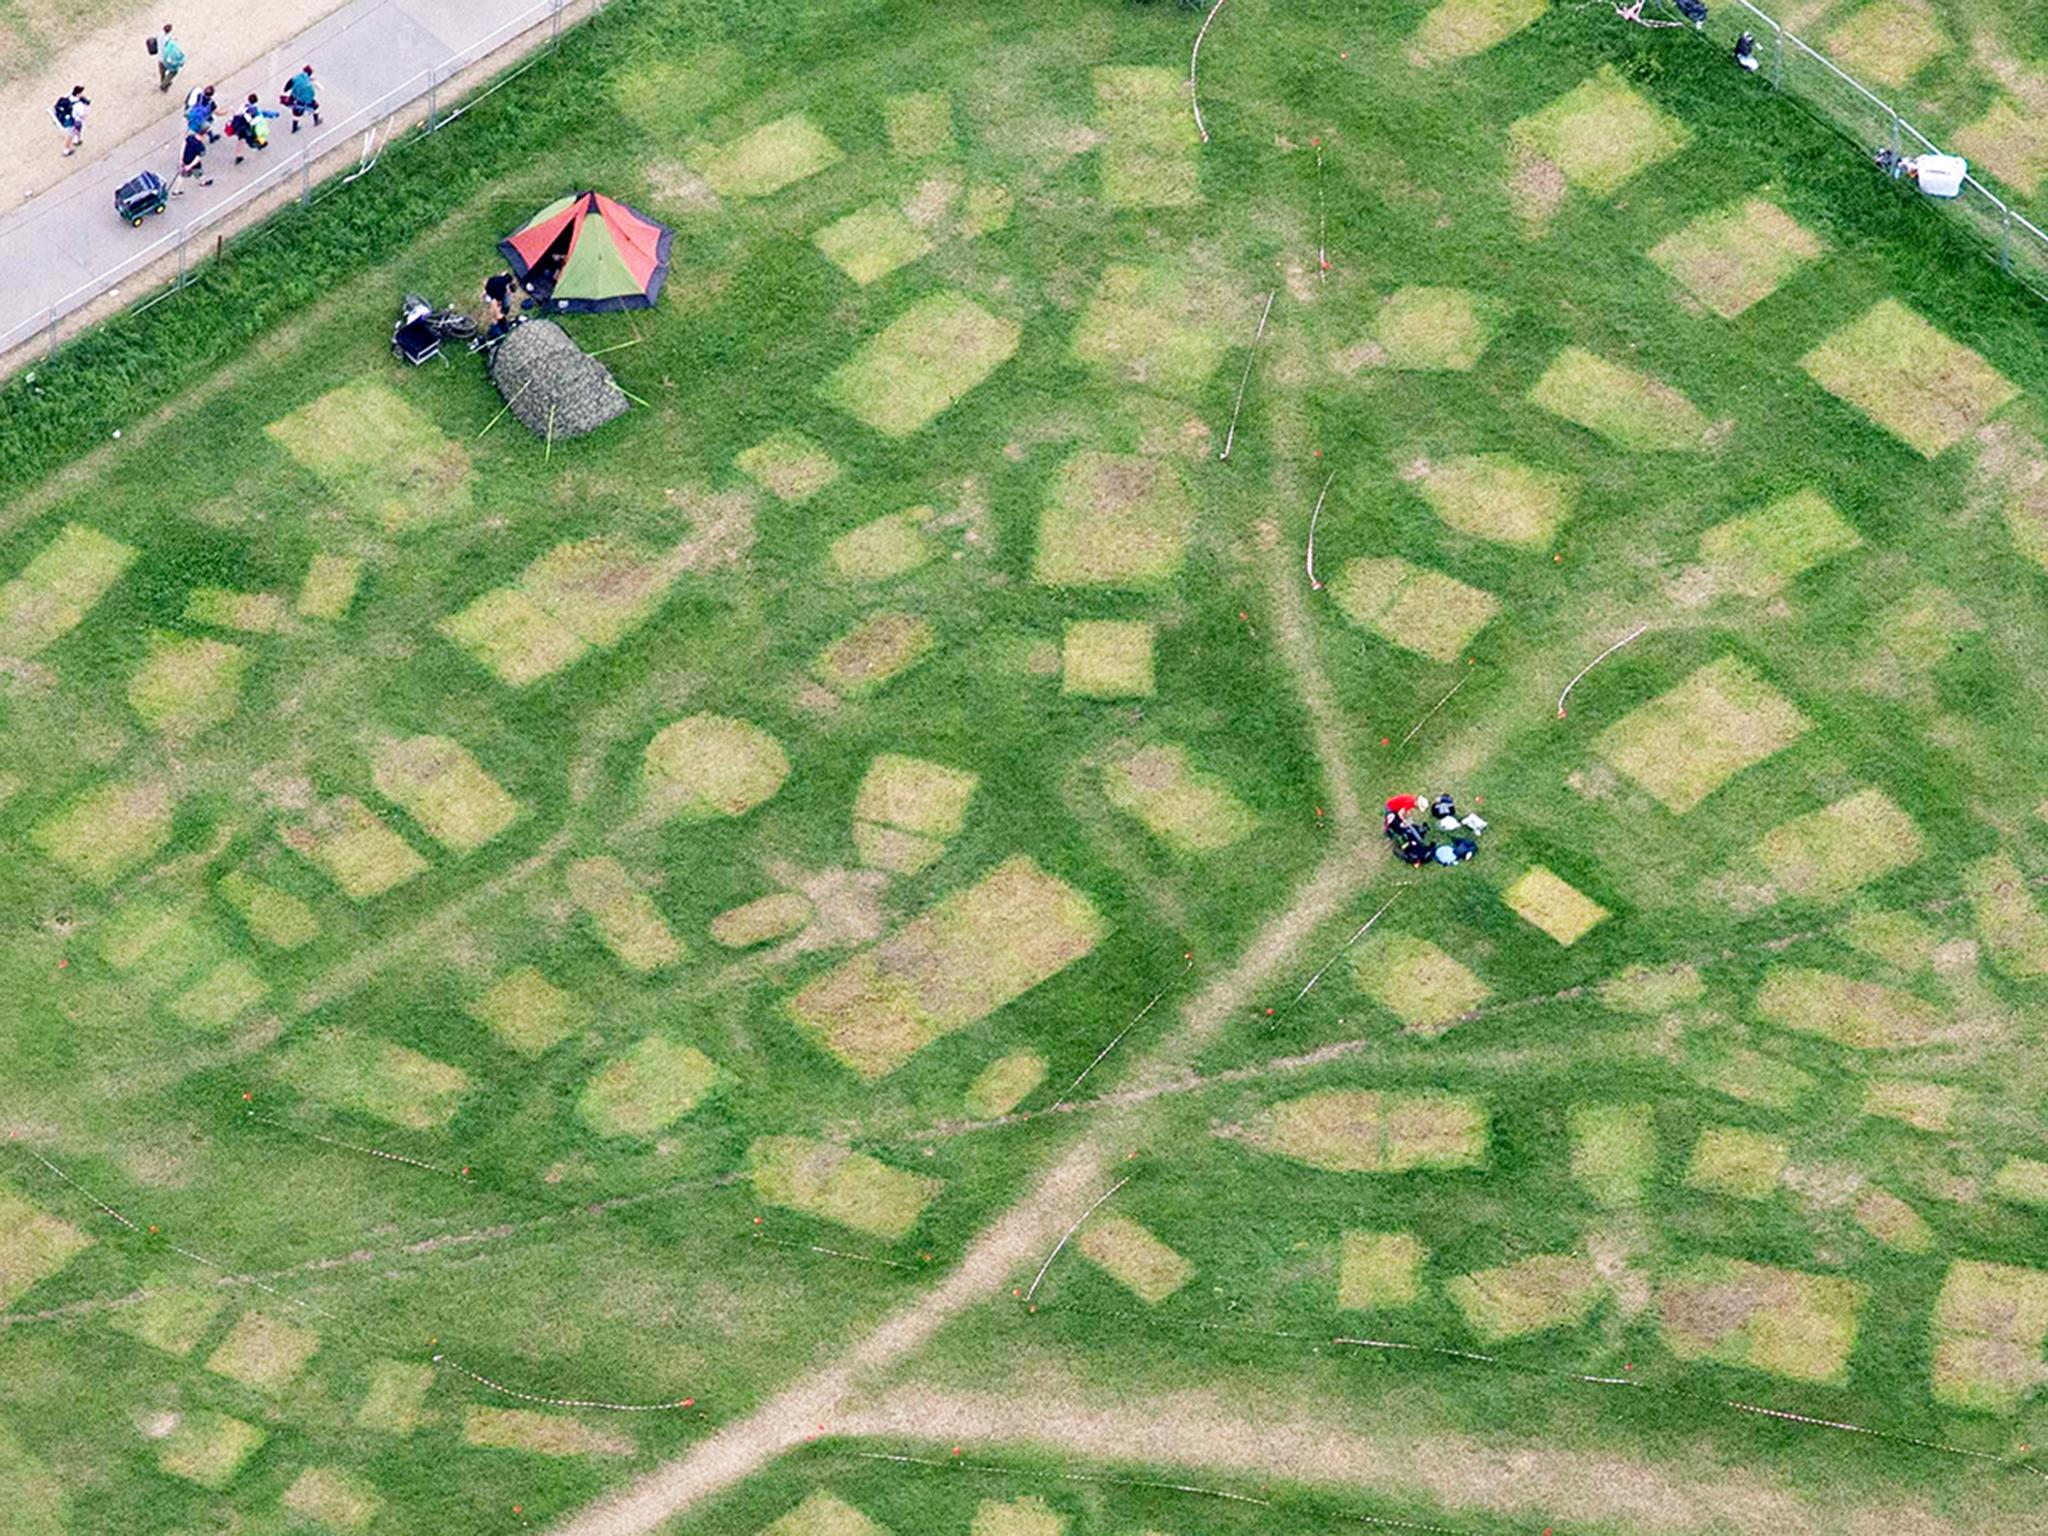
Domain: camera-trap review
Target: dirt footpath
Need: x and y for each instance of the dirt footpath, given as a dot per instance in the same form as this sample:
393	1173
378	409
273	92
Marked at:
218	36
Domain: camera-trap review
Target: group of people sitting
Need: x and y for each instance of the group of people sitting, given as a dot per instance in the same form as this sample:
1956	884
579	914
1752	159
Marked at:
1412	842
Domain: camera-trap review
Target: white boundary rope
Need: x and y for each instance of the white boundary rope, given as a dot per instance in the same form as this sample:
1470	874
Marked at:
1060	1102
1194	57
1362	927
1589	666
835	1253
1322	220
564	1402
1313	518
1251	358
1440	703
1039	1279
350	1146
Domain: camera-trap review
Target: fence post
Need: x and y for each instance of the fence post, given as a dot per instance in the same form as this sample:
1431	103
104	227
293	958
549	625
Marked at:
183	235
555	25
1777	57
1897	144
432	89
2005	237
306	178
50	334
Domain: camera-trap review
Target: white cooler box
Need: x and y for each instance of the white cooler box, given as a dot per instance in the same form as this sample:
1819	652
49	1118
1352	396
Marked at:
1942	175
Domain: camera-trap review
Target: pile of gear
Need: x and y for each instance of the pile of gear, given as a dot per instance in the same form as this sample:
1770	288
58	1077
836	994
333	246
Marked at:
1412	842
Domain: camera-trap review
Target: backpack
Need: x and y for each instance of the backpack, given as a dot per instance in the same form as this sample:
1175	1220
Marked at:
149	45
62	111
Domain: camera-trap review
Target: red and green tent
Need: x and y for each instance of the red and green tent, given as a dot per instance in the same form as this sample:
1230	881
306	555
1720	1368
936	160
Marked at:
587	252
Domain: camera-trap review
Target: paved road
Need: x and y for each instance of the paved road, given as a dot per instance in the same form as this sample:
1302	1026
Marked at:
67	236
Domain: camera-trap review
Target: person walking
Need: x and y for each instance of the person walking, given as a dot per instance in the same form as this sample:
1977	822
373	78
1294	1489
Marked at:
199	111
170	58
302	96
192	163
246	126
69	114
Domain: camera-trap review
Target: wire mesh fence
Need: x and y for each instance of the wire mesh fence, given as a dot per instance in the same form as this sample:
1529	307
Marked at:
405	114
1838	98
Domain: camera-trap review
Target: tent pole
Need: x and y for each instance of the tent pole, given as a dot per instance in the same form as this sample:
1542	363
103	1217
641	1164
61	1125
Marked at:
551	436
631	396
506	407
617	346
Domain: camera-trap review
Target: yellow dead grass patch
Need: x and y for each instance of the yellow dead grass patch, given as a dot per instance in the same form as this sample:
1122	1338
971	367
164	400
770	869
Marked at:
220	997
375	1077
2011	141
1684	745
2021	1181
257	613
1892	1222
208	1448
1360	1131
107	831
330	586
1534	1295
976	950
919	123
1458	29
1906	376
1631	410
187	685
712	765
1600	133
1541	898
1417	982
1413	607
1134	1257
1924	1106
1728	1160
1778	1320
882	646
922	362
1737	257
1028	1516
1888	41
1989	1324
1115	520
2009	920
349	844
1004	1084
54	591
871	242
274	917
338	1499
1857	1013
1150	151
1189	810
770	917
444	789
378	456
173	1321
1614	1151
648	1089
891	848
625	916
1652	989
1492	496
33	1246
1831	852
915	794
1379	1270
768	159
824	1515
398	1389
1897	938
836	1185
1758	554
540	1434
1753	1077
1155	327
886	547
264	1352
789	466
514	636
600	589
1107	659
1433	330
528	1012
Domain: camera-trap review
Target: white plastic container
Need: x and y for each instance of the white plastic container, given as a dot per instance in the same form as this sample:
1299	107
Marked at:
1942	175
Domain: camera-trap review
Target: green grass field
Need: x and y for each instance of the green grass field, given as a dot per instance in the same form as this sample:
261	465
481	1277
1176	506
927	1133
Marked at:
795	965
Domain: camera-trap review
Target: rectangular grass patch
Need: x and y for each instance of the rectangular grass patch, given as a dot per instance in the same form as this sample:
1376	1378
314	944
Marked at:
1683	746
348	842
378	456
1630	409
329	587
1107	659
443	788
274	917
1614	1151
962	959
1544	900
880	647
1115	520
871	242
33	1246
1379	1271
1926	390
1829	853
1990	1321
915	794
264	1352
1363	1131
1413	607
837	1185
2009	919
768	159
540	1434
529	1013
1134	1257
396	1393
1150	150
1863	1014
1492	496
1601	133
58	587
108	831
208	1448
1458	29
626	919
1756	555
706	766
1737	257
188	685
1533	1295
1728	1160
1790	1324
647	1089
1156	327
921	362
1419	984
1191	811
1004	1084
374	1077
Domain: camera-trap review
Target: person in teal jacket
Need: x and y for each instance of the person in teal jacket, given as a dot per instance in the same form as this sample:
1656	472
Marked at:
170	58
302	96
